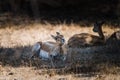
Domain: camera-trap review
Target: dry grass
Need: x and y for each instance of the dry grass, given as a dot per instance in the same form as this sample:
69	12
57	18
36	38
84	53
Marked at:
18	37
23	35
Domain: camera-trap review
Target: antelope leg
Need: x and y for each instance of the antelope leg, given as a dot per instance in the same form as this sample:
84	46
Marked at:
51	59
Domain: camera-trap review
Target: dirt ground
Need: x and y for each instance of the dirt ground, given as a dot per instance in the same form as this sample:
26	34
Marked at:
29	73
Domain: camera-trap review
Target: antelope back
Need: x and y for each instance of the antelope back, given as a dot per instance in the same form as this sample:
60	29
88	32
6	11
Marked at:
84	40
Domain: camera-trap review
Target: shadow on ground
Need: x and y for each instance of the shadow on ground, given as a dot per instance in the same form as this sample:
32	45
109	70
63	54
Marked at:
19	56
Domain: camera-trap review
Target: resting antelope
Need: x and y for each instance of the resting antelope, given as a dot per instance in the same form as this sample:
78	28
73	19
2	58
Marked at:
50	50
86	39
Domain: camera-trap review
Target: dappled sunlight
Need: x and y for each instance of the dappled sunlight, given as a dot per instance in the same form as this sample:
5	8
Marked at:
27	35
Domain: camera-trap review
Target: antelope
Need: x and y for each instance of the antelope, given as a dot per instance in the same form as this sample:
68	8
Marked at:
50	50
86	39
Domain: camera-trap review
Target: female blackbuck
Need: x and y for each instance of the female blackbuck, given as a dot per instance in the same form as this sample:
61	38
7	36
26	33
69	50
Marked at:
50	50
86	39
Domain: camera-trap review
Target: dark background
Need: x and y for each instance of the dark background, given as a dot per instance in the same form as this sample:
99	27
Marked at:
64	10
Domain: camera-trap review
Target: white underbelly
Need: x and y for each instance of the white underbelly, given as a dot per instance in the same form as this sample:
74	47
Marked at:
44	54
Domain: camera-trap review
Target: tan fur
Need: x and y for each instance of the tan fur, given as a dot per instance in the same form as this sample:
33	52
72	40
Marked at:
49	49
83	40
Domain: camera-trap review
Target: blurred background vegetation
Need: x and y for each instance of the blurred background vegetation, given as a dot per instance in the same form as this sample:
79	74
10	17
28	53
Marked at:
59	11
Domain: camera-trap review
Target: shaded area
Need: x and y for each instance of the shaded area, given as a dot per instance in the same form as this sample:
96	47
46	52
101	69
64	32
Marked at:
92	62
95	59
20	56
83	12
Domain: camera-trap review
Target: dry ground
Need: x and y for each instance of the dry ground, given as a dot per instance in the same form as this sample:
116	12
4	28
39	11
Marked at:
13	37
30	73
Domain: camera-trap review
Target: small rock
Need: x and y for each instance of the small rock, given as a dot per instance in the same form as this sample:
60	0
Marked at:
10	73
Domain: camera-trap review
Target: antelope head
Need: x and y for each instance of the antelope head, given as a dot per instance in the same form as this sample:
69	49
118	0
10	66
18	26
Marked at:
98	28
59	38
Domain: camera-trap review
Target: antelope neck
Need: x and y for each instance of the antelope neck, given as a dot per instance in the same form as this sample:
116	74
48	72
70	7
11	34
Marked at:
100	32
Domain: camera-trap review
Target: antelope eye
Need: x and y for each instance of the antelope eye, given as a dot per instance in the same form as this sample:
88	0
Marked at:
63	40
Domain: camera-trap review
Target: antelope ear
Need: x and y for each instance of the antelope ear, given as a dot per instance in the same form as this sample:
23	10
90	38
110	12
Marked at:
57	33
53	37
